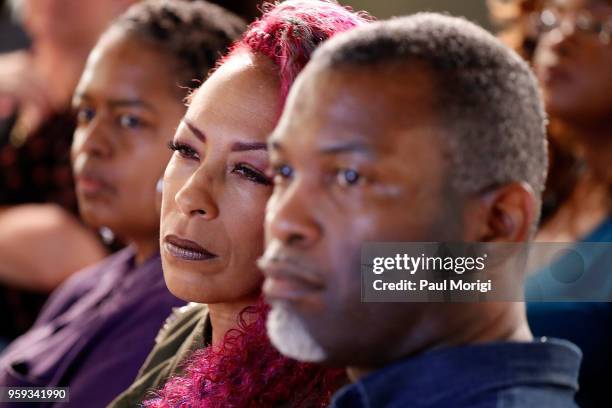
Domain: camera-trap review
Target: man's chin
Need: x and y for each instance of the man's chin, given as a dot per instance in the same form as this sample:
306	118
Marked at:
290	336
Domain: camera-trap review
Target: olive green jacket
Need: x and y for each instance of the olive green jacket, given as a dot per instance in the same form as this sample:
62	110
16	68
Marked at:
187	329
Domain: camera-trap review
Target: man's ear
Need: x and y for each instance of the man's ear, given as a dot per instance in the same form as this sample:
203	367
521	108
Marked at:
505	214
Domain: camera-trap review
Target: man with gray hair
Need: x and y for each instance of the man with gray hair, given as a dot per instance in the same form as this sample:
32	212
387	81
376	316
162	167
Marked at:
418	129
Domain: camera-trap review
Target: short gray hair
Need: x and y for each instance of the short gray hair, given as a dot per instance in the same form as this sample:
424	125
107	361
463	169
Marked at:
485	95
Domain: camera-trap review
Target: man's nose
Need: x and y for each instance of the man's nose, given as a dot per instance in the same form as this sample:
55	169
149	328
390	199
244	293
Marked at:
290	217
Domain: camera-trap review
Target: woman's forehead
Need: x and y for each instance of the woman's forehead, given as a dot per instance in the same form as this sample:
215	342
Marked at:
123	66
242	95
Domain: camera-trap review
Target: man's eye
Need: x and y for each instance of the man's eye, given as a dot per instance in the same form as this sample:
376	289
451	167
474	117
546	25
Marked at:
348	177
283	172
130	121
85	115
183	150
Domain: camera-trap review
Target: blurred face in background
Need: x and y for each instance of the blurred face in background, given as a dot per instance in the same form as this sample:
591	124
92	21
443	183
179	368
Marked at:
519	23
127	110
216	187
573	60
63	32
68	23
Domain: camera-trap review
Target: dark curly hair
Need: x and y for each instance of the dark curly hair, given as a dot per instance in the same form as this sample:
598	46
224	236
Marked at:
194	33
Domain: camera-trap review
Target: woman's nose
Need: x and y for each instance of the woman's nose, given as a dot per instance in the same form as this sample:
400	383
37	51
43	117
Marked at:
195	199
94	140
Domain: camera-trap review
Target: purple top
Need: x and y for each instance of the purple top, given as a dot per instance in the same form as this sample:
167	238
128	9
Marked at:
94	333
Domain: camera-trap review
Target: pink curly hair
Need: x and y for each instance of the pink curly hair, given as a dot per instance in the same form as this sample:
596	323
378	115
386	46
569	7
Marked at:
245	370
289	32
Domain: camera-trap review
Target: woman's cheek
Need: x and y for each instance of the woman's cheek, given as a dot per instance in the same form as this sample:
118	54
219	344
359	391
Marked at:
246	214
171	183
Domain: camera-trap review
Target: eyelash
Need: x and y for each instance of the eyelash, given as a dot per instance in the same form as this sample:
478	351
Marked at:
184	150
252	175
188	152
135	122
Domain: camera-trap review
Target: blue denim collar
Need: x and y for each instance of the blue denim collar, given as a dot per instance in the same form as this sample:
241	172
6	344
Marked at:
444	375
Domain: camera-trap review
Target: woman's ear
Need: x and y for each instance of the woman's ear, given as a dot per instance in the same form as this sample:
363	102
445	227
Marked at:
505	214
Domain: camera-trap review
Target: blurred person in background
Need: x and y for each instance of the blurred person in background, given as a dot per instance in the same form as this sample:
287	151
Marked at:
571	43
36	86
36	127
572	61
97	328
43	78
520	26
517	21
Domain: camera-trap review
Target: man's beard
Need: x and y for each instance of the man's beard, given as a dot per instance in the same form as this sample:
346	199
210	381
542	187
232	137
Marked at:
289	335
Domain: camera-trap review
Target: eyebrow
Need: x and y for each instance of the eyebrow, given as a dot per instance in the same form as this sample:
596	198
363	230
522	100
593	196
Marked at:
243	147
236	147
196	132
345	147
120	103
340	148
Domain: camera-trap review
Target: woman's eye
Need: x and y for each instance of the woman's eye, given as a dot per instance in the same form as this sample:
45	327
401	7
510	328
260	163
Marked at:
348	177
183	150
85	115
129	121
252	174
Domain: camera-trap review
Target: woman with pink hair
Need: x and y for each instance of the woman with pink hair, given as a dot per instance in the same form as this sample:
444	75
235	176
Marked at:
216	352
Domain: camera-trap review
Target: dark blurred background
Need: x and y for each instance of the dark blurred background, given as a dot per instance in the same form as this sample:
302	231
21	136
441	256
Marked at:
11	37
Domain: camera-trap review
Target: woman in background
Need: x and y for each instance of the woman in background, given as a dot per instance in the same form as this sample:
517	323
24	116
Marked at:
216	353
97	328
572	59
518	23
573	62
36	128
38	206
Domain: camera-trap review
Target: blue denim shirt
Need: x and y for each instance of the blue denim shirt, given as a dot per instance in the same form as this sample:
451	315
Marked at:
542	373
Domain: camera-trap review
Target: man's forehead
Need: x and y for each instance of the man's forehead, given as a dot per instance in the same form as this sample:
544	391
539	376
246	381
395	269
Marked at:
357	105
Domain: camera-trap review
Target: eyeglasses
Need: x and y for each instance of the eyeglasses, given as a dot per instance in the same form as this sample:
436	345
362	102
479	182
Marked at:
583	22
